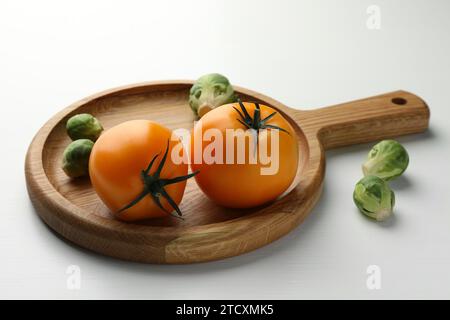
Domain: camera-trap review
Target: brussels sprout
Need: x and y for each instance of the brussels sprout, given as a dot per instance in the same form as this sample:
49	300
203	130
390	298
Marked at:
374	198
387	160
76	158
83	126
209	92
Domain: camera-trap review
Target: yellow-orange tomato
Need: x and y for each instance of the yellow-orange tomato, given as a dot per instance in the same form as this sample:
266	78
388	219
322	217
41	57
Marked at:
243	184
116	166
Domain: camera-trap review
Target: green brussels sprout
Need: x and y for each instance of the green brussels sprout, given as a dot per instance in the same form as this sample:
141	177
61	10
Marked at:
83	126
374	198
387	160
210	91
76	158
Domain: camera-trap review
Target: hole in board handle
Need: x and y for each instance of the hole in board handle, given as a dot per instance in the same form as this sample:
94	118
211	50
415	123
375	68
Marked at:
399	101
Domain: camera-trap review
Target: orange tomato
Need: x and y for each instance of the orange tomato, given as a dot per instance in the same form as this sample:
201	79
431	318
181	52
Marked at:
241	185
118	164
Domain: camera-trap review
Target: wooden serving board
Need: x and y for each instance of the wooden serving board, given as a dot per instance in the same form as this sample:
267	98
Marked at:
208	232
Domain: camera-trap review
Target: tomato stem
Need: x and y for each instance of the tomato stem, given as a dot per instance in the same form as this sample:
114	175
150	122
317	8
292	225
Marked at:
256	122
154	185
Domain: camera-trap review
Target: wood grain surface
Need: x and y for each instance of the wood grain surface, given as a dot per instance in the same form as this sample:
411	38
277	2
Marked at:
208	232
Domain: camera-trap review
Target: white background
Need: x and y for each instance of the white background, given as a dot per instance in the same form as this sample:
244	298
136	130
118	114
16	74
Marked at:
305	54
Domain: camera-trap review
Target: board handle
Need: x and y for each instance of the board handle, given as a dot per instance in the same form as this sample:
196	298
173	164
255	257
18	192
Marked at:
380	117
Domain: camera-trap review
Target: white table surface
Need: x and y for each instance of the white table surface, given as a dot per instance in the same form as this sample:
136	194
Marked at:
304	53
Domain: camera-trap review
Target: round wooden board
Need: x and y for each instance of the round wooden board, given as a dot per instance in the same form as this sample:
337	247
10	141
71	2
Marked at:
208	232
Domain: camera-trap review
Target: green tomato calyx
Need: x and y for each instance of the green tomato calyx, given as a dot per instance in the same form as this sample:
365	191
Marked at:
255	122
154	185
